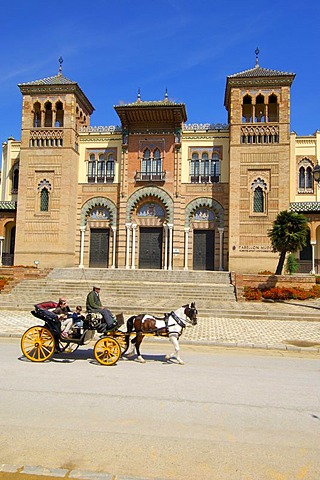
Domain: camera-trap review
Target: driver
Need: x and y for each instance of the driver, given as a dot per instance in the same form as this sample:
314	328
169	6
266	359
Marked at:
93	304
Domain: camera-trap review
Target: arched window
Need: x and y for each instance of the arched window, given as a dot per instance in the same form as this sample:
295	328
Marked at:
59	114
157	163
259	192
92	168
101	169
204	167
15	180
44	200
247	109
260	109
146	161
110	168
258	200
37	115
194	168
215	168
305	176
273	108
302	178
48	114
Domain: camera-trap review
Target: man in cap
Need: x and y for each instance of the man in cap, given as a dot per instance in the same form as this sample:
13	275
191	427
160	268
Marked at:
93	304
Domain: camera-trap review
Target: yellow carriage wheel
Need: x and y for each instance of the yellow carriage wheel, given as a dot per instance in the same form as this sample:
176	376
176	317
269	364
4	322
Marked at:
38	344
107	351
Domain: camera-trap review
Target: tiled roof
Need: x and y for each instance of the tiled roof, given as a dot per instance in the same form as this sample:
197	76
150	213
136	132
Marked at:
55	80
305	207
151	103
258	71
8	205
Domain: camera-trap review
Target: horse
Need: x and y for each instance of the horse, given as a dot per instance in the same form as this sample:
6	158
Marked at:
172	326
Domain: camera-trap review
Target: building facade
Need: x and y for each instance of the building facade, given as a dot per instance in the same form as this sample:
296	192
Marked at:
156	192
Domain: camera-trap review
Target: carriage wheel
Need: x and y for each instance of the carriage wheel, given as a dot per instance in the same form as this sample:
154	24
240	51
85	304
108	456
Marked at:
107	351
38	344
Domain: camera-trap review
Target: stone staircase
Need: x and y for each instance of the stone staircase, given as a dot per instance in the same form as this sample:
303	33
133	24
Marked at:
127	291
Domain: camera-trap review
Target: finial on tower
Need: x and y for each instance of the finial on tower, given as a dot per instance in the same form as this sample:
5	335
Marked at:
257	51
60	67
138	96
166	95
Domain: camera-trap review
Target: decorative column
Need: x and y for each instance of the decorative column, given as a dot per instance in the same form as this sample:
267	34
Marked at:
186	245
128	228
1	249
313	244
82	230
170	226
165	263
133	250
221	230
114	237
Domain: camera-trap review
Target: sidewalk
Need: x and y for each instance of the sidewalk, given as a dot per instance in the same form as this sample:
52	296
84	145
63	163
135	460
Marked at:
265	332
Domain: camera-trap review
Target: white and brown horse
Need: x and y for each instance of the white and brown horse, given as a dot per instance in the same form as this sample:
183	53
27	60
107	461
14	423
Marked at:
172	326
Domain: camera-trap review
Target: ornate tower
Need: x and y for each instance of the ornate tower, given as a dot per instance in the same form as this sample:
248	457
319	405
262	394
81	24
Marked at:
258	105
53	110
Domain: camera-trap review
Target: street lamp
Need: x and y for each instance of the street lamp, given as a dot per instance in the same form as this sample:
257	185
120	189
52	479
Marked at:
316	173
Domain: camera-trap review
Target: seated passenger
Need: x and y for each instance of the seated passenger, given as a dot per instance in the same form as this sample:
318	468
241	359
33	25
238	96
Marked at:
77	317
63	311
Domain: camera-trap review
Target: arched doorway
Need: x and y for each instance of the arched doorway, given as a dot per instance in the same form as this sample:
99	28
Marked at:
98	221
150	216
204	223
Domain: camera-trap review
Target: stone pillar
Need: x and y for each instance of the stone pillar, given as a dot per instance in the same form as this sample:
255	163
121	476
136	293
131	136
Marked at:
165	263
221	230
186	246
133	250
114	237
313	244
170	226
128	228
82	230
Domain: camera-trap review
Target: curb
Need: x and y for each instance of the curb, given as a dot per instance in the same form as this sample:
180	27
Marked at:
64	473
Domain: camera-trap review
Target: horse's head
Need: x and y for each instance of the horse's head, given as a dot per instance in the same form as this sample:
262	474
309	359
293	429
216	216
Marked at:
191	312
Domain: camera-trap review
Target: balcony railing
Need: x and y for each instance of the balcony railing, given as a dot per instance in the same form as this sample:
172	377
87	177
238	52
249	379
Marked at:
204	178
108	178
150	176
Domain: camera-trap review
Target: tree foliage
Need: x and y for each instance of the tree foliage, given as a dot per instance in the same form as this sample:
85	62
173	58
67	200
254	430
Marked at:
288	234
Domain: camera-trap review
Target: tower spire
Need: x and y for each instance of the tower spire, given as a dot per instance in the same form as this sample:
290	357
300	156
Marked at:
60	66
257	51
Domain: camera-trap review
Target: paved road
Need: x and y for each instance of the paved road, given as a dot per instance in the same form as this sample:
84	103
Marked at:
226	414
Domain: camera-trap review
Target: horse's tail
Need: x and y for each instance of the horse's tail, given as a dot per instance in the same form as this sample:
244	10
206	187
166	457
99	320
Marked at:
130	328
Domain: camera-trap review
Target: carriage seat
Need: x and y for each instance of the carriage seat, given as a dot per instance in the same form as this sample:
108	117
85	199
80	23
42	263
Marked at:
44	311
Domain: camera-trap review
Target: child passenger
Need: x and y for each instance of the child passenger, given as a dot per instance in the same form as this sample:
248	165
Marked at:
77	317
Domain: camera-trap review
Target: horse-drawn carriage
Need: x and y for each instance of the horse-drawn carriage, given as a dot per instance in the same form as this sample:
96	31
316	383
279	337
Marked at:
40	343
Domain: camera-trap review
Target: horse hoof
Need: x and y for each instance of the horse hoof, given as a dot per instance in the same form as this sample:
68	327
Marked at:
181	362
167	357
141	360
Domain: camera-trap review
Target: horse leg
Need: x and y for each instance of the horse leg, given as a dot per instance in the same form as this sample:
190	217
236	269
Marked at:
131	347
176	354
138	340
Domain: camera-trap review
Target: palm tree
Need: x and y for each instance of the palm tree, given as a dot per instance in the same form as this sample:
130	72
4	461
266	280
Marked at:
288	234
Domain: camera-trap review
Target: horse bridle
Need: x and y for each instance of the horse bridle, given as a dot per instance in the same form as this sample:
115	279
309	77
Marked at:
180	322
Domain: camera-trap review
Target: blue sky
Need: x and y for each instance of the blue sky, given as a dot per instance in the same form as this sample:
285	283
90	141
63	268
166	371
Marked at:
112	48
